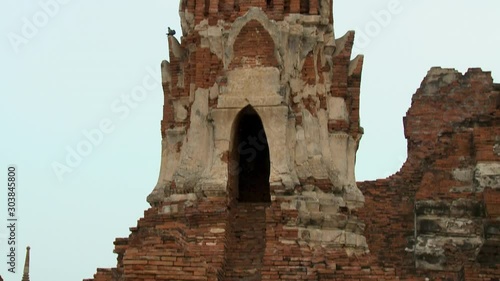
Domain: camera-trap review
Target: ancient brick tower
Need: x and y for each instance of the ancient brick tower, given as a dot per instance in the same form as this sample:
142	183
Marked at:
259	137
261	102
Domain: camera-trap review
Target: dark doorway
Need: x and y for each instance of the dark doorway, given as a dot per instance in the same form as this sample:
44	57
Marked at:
251	153
269	4
304	6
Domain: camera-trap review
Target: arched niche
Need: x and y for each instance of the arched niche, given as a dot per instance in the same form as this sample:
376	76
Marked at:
253	47
249	167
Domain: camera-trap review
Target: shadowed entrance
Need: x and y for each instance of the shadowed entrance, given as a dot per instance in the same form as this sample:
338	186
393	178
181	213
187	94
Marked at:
251	153
249	184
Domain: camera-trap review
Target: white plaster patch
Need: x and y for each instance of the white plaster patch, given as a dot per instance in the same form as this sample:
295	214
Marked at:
217	230
431	245
182	197
487	174
464	174
214	91
257	86
181	112
337	109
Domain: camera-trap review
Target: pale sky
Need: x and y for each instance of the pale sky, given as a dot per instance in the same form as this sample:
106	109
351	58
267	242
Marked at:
69	69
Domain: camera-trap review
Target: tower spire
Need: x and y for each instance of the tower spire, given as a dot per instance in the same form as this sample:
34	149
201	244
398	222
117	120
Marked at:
26	273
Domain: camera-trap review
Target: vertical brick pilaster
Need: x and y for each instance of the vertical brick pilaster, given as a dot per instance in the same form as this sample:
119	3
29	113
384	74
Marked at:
313	7
294	6
191	5
279	6
214	7
199	10
227	6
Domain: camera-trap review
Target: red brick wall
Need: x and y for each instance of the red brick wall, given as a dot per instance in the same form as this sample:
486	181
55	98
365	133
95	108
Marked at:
229	10
253	47
451	128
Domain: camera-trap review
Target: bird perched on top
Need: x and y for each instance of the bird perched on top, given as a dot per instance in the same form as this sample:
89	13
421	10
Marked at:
171	32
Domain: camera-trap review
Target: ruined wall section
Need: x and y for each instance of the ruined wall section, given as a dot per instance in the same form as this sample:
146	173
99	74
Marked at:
439	214
450	200
185	239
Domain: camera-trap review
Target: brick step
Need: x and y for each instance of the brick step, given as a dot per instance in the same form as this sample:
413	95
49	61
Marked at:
246	250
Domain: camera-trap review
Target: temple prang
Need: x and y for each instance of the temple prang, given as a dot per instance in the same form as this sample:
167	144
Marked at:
259	136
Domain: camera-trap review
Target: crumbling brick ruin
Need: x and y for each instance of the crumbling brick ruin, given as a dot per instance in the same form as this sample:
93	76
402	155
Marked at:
259	137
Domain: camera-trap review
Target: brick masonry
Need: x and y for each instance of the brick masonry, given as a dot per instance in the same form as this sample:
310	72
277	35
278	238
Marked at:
436	219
